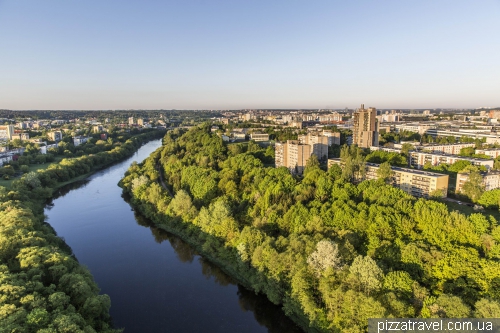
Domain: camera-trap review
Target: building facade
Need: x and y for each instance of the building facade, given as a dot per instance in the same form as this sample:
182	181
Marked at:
292	155
418	159
259	137
55	136
365	131
6	132
453	149
415	182
78	140
493	152
491	180
319	144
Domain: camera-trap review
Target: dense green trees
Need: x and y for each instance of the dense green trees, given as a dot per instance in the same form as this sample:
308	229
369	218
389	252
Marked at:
332	253
42	286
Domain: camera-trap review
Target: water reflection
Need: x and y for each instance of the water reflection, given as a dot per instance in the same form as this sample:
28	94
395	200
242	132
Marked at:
266	313
63	190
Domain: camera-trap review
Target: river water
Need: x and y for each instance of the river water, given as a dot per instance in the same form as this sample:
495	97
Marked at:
157	282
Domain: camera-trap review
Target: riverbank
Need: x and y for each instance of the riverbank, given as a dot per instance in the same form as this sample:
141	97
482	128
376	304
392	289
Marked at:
329	251
197	239
53	291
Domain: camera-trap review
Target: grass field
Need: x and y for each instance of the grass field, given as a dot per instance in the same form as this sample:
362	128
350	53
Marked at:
33	167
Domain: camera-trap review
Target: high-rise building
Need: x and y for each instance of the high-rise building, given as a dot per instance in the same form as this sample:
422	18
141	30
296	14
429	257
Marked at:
140	122
319	144
365	132
131	120
6	132
292	155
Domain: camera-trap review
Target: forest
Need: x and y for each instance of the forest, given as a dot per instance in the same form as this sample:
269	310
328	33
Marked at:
43	288
332	253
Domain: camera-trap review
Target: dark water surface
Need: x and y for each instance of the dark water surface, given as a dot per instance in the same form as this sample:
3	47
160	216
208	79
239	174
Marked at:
157	283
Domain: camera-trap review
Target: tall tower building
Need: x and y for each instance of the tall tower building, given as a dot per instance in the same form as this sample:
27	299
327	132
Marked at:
365	133
293	155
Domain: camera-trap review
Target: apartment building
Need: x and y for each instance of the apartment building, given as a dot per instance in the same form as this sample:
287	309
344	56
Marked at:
292	155
140	122
55	136
365	131
490	137
453	149
415	127
78	140
415	182
97	128
259	137
419	158
330	118
20	136
491	180
318	142
492	152
333	137
131	121
238	135
6	132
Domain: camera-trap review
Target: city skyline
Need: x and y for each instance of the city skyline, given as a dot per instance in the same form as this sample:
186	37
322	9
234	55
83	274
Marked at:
259	55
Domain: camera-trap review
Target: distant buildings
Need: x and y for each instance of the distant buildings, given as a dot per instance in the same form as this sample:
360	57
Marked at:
415	182
491	180
78	140
131	121
365	131
140	122
259	137
453	149
20	136
418	159
6	132
238	135
10	155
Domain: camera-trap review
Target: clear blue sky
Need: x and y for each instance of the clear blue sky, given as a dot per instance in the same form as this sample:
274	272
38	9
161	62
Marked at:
195	54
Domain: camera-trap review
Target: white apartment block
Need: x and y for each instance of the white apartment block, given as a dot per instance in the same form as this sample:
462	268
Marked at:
491	180
493	152
418	159
78	140
333	137
490	137
415	127
332	117
415	182
259	137
453	149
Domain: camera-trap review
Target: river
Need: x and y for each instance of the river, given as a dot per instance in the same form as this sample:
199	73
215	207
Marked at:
157	282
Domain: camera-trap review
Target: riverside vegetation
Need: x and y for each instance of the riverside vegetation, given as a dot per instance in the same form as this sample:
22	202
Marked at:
332	253
43	288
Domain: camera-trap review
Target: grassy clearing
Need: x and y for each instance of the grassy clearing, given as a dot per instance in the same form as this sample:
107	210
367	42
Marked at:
466	210
33	167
